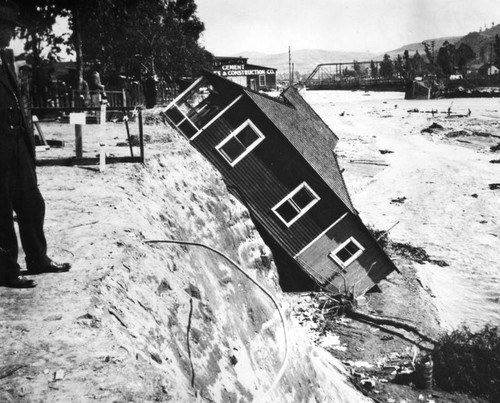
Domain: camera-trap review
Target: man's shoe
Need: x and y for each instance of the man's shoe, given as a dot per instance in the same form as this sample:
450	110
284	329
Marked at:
18	282
51	267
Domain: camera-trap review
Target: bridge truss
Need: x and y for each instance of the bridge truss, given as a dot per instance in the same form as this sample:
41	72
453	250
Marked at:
341	75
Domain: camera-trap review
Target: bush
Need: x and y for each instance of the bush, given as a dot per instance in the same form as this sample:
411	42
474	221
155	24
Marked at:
151	117
382	237
469	362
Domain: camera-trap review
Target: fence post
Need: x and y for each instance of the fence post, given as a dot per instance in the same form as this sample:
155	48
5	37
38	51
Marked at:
78	141
141	135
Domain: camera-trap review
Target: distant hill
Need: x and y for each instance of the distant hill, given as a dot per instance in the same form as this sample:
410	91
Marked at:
304	60
480	42
413	47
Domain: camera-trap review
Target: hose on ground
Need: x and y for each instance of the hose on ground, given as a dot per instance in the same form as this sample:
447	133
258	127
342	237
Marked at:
285	359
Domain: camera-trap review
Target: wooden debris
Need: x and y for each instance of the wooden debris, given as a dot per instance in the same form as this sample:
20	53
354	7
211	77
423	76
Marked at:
369	162
59	374
118	317
398	200
55	143
8	370
380	320
432	128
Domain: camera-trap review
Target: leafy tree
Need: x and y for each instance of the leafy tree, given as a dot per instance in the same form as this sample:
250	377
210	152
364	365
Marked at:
373	69
496	48
42	14
150	38
386	67
39	18
408	67
131	37
404	67
469	362
446	58
464	55
430	54
418	63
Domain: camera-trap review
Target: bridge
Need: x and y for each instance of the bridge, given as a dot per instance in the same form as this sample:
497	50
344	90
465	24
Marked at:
333	76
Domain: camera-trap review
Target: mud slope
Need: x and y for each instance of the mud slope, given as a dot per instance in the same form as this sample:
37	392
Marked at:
155	322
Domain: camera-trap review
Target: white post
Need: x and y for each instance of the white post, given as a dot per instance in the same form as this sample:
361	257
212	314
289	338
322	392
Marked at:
102	140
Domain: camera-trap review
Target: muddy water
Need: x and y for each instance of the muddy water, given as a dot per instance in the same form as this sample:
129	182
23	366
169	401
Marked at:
448	209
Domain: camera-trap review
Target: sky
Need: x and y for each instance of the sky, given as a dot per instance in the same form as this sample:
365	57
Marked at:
271	26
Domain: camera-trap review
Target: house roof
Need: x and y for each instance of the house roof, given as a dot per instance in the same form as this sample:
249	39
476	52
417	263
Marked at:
256	66
228	58
308	134
475	66
306	131
487	66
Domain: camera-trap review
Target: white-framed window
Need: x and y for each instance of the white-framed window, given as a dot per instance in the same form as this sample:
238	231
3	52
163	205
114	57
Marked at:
186	112
240	142
262	80
296	204
347	252
178	116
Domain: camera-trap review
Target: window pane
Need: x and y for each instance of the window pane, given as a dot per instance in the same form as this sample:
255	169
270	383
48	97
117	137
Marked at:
247	136
303	197
174	115
188	129
196	98
232	149
287	211
184	107
351	247
343	255
347	251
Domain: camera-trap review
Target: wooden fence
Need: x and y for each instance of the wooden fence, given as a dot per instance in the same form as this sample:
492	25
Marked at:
61	96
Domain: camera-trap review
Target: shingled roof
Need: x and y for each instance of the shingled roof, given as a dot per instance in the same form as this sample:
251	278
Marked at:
303	127
308	134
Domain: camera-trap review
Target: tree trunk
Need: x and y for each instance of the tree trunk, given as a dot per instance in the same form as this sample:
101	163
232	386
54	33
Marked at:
78	45
380	320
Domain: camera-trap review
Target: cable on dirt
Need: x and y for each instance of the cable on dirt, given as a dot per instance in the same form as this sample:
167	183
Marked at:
285	360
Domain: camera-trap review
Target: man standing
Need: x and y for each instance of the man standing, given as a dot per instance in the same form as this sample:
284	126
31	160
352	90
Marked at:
18	182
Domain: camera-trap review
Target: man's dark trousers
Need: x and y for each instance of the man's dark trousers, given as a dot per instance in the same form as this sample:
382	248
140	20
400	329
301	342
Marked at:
19	192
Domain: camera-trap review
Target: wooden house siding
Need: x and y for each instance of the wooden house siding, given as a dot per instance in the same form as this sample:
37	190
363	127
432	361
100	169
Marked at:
265	177
362	274
310	136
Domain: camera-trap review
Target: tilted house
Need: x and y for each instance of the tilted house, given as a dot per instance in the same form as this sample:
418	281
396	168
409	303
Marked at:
278	157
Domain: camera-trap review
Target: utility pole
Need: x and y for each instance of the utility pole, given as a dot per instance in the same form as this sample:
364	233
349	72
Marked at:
290	65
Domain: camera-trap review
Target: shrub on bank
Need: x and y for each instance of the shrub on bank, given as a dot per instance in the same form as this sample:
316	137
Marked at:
469	362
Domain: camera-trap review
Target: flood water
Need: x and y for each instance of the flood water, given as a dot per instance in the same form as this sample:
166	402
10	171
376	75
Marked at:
449	210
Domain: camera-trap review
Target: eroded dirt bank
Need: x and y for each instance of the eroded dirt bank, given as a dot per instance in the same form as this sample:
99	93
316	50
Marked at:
139	322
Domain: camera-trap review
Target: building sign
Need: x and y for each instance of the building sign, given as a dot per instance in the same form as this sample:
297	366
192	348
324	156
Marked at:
76	118
231	70
230	73
245	74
